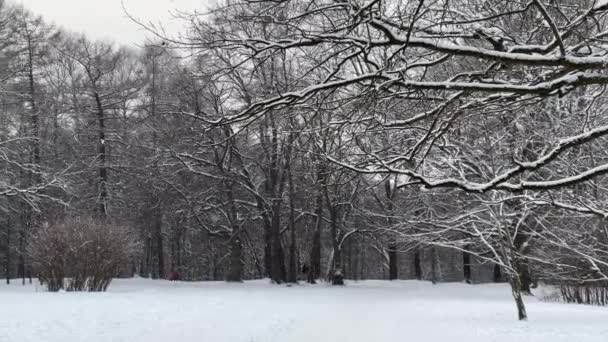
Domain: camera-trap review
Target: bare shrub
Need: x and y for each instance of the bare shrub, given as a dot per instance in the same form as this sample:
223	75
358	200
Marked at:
81	254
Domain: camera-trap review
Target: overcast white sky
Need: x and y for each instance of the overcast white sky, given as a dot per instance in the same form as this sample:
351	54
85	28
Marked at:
105	19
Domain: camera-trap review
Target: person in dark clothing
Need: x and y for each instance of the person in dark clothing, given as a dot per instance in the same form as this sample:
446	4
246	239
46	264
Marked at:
174	276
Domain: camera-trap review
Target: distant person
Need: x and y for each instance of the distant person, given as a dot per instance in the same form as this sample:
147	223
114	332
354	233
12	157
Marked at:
175	276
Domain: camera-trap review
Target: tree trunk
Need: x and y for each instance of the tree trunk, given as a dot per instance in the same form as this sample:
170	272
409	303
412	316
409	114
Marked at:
337	277
160	246
315	253
393	273
277	267
497	275
22	252
102	182
466	264
293	260
356	263
235	274
417	266
8	260
292	276
435	272
523	273
393	266
267	251
517	296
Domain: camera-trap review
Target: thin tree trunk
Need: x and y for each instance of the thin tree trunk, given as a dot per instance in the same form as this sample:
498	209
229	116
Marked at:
337	275
417	266
435	276
315	253
21	267
357	261
517	296
393	272
393	266
8	253
523	273
235	273
277	270
466	264
160	245
102	182
497	274
292	276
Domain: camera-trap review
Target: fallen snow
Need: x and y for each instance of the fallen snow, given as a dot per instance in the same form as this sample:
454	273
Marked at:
158	311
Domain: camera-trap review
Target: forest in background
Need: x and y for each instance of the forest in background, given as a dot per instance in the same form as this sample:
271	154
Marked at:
458	140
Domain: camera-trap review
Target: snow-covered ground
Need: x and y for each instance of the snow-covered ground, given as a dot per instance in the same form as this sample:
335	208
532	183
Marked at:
158	311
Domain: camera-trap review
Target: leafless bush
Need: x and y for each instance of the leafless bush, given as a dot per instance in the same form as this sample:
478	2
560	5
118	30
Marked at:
81	254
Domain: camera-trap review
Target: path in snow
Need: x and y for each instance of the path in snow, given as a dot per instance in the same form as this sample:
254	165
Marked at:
159	311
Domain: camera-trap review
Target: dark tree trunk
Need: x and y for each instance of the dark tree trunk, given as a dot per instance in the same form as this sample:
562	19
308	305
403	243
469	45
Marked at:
435	276
356	263
35	130
292	276
22	252
315	253
348	261
8	259
160	255
337	276
393	272
144	271
277	267
267	251
417	266
497	274
517	296
393	266
149	258
523	273
466	264
282	259
235	273
102	182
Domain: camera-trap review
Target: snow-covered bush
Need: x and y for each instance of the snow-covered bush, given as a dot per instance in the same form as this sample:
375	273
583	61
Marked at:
81	254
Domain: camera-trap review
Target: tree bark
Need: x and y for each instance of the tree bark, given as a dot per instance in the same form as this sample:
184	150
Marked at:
523	273
102	182
517	296
435	276
497	274
393	262
292	276
160	255
337	276
466	264
393	272
235	273
8	260
417	266
277	265
315	253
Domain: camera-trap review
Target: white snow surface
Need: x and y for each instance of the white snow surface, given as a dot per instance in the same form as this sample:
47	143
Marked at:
159	311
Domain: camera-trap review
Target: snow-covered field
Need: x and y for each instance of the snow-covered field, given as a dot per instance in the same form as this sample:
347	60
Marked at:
158	311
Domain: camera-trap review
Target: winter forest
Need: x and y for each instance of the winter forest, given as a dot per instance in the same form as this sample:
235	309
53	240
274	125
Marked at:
323	143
